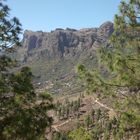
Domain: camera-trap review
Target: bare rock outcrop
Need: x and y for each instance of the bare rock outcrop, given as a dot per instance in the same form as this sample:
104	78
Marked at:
62	43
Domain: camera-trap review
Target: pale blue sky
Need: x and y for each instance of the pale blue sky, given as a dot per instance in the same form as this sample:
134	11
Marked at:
47	15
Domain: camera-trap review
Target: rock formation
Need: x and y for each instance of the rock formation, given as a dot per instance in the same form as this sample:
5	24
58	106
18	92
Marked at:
61	43
53	56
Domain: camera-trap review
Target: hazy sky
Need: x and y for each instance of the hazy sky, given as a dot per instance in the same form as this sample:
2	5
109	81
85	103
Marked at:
47	15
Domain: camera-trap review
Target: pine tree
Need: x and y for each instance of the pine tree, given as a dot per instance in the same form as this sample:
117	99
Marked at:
98	114
23	114
88	121
93	115
80	134
121	61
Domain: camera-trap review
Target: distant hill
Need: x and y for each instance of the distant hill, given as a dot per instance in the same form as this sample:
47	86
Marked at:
54	55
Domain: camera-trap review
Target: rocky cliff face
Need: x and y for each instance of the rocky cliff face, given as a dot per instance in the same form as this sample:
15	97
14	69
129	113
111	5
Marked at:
62	43
54	55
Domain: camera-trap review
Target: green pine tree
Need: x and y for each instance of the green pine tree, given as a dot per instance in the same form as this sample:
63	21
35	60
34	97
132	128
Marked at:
23	114
121	61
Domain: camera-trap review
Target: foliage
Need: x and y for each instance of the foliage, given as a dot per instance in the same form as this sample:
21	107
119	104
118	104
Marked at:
9	28
80	134
88	121
23	113
118	74
60	136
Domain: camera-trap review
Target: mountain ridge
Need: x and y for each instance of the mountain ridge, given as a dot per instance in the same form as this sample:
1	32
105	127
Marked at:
54	55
